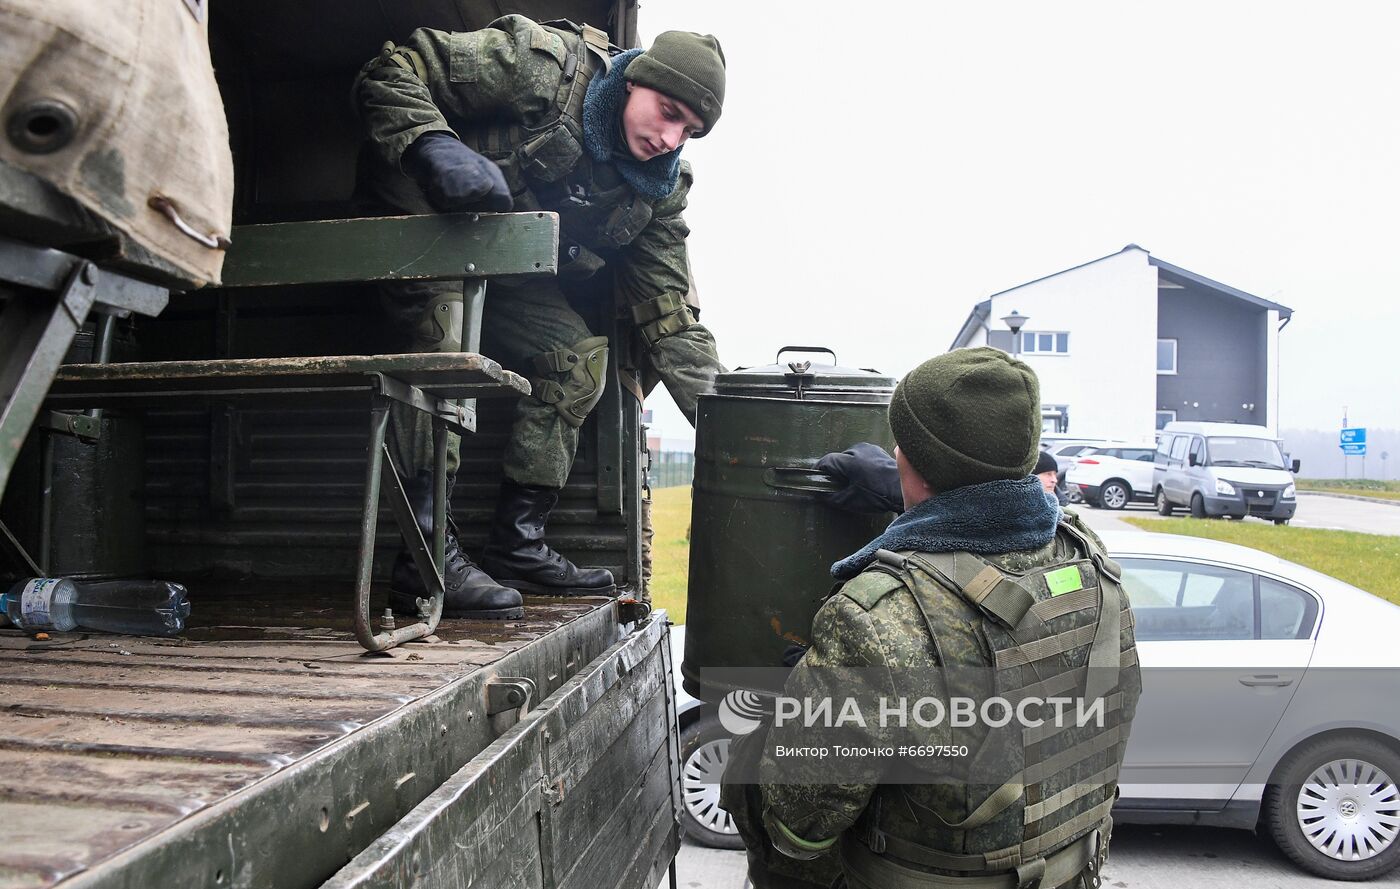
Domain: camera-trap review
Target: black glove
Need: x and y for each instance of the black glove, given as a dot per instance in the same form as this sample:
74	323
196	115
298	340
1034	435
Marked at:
793	653
454	177
870	478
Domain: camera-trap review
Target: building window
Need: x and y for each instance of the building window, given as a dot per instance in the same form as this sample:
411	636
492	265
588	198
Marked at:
1165	417
1166	356
1035	342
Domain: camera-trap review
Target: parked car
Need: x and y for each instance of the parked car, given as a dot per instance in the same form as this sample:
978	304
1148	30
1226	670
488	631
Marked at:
1223	469
1066	452
1113	477
1267	705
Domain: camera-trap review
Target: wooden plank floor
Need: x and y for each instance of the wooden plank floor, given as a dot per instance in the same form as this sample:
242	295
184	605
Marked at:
106	741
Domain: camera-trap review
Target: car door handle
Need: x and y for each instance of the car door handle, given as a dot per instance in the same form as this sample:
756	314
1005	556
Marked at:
1269	680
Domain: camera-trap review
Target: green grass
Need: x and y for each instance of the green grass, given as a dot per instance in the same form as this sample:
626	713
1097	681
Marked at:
1369	561
1389	490
670	550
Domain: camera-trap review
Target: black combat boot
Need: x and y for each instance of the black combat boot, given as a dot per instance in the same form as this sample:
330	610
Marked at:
518	555
470	592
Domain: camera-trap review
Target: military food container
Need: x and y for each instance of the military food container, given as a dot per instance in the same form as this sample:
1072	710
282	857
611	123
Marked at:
762	535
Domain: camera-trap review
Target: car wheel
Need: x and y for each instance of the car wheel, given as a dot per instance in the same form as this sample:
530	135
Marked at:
1198	506
704	747
1115	494
1336	808
1164	506
1073	494
1280	521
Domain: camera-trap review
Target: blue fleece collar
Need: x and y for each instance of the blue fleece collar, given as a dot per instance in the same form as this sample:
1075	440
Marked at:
602	129
996	517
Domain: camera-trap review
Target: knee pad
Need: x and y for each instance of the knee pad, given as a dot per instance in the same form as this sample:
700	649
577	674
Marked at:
663	316
440	325
586	365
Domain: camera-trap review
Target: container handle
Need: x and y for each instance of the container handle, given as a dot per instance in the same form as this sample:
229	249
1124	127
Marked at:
800	478
779	358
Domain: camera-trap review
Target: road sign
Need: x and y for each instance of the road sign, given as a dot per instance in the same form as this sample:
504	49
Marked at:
1354	450
1354	436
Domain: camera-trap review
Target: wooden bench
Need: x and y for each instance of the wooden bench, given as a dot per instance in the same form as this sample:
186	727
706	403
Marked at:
427	382
466	247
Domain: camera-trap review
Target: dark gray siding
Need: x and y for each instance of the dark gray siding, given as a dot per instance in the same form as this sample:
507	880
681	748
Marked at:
1221	356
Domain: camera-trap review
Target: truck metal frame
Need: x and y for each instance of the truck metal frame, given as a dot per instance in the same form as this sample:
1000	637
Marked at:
266	747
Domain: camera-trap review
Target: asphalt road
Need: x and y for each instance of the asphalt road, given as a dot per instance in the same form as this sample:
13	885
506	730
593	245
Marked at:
1141	857
1314	511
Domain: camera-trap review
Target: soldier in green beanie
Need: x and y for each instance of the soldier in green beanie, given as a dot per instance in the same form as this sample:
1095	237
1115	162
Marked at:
523	115
982	576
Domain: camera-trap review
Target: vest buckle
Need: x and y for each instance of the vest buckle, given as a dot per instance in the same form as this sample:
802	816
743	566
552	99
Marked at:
1029	875
876	841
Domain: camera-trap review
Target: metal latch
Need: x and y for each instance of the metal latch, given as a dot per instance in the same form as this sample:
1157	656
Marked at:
509	693
631	609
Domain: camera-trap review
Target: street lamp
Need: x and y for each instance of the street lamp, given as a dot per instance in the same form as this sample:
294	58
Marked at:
1015	321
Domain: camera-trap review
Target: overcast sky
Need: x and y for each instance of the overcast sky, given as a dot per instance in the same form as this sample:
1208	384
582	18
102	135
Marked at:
880	168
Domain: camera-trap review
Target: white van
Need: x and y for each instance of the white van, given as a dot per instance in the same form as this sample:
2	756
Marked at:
1219	469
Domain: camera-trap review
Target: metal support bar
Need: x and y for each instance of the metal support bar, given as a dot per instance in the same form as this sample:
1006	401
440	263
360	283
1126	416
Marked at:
11	544
440	505
102	349
473	306
429	568
35	333
369	524
45	269
37	325
608	428
447	411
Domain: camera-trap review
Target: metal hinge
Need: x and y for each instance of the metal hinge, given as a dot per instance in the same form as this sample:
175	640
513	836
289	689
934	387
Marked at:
509	693
80	426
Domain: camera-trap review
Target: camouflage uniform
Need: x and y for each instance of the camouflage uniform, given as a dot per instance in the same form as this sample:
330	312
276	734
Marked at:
875	620
513	91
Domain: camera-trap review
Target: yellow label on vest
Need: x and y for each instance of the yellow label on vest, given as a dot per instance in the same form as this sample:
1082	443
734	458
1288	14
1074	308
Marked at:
1064	580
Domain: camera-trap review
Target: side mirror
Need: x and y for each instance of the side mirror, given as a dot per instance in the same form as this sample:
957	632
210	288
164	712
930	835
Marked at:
1296	466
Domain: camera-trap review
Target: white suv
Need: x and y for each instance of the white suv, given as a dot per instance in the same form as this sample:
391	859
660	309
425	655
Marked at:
1066	452
1113	476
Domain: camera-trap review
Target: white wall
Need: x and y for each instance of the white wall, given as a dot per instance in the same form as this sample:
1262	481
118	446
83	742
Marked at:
1109	308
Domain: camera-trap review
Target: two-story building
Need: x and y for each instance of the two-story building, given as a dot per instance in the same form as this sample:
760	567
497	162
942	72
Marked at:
1126	343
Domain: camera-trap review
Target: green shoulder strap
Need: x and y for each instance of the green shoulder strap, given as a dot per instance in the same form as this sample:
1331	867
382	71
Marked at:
1105	655
984	585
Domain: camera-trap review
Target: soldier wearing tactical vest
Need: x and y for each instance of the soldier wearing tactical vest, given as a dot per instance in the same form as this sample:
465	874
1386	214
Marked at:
543	116
981	588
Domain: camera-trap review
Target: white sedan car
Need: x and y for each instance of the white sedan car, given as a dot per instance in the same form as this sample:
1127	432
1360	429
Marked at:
1268	703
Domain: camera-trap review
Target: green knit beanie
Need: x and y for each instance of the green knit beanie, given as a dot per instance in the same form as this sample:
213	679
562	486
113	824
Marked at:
684	66
968	416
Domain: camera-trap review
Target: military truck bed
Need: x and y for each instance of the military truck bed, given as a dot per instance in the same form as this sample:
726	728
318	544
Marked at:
264	748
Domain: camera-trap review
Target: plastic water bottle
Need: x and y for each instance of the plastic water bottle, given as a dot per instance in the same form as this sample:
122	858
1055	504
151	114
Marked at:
131	607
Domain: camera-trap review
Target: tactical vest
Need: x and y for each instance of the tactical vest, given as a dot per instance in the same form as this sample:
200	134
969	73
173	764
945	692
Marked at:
548	168
1048	821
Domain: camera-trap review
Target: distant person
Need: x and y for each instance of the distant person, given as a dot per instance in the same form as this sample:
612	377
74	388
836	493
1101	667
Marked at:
1048	471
